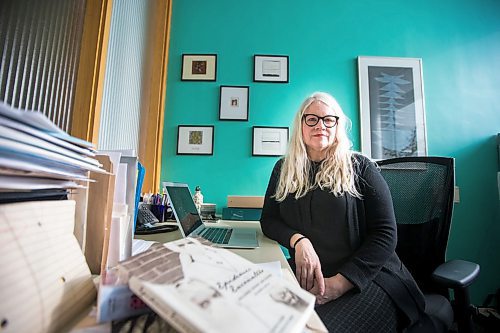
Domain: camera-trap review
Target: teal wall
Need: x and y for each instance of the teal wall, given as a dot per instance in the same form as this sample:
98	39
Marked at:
458	41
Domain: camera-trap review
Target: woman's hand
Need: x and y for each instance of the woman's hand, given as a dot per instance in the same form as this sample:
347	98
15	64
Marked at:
335	287
308	267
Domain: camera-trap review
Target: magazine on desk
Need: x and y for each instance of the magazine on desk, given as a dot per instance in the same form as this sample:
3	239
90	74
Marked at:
200	288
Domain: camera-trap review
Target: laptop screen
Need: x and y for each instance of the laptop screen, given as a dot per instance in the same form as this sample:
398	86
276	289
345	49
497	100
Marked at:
183	206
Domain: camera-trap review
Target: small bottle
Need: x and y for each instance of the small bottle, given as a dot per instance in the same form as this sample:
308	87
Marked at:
198	198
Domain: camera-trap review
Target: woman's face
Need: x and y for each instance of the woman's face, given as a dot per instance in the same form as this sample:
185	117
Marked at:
318	138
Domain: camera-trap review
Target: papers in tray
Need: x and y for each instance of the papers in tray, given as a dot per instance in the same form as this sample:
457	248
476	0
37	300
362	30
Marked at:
200	288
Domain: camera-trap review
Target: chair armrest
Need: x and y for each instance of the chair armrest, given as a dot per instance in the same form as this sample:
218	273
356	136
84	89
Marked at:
456	273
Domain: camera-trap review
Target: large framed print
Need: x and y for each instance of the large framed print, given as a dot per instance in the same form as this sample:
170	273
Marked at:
199	67
233	103
270	68
195	140
392	111
269	141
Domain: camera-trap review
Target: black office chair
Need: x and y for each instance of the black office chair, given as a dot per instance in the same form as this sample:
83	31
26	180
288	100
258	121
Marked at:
422	190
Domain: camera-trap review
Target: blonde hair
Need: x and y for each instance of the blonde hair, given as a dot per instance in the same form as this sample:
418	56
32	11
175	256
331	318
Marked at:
336	172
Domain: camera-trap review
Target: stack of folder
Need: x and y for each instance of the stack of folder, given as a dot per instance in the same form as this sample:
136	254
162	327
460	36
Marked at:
35	155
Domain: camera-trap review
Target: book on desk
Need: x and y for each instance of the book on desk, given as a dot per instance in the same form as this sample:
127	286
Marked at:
199	288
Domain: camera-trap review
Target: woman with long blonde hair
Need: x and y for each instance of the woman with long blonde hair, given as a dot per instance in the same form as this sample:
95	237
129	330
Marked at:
333	211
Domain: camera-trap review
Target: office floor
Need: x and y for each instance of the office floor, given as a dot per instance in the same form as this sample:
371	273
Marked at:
488	321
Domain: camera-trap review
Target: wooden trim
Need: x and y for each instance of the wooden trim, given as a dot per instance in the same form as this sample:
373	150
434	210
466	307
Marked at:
154	89
91	69
90	82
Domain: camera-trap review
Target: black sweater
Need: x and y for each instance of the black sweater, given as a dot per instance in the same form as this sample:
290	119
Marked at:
371	232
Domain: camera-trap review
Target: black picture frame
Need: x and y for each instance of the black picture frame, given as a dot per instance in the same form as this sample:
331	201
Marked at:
234	103
271	68
269	140
195	139
199	67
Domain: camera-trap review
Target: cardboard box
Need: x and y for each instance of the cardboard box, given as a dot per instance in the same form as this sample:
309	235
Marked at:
238	201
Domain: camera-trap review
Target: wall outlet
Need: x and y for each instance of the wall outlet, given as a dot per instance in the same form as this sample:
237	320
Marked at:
456	195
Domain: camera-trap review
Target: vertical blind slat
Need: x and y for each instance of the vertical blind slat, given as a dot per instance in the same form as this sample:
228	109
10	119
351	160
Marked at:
49	65
79	7
24	85
39	62
32	50
46	46
65	74
60	54
12	61
7	23
21	35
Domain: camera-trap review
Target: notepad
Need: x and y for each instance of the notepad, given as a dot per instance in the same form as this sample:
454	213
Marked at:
45	280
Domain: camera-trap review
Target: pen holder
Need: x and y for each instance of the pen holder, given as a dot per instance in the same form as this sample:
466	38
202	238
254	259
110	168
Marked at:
157	210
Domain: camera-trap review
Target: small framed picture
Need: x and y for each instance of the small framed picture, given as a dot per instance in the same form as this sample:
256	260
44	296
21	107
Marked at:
195	140
199	67
233	103
270	68
269	141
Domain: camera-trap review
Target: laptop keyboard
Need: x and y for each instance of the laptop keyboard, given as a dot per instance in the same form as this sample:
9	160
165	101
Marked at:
217	235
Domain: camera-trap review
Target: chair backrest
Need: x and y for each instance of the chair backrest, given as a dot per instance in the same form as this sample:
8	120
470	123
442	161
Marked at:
422	191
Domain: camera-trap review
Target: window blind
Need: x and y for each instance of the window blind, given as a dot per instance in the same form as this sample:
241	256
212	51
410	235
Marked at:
39	50
120	112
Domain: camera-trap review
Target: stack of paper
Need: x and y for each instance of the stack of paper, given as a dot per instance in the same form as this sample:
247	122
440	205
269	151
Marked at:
35	154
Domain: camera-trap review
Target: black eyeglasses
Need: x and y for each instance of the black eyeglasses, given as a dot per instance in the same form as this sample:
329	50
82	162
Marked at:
312	119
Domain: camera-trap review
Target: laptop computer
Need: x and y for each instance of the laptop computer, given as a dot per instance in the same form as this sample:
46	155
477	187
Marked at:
191	224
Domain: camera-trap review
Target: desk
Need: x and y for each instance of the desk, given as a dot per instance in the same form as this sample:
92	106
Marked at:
267	251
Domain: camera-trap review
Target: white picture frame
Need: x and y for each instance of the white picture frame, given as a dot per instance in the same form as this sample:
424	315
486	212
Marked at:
195	140
271	68
269	141
392	107
233	103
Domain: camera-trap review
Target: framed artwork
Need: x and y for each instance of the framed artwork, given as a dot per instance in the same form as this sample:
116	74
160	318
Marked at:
233	103
195	140
391	94
269	141
270	68
199	67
